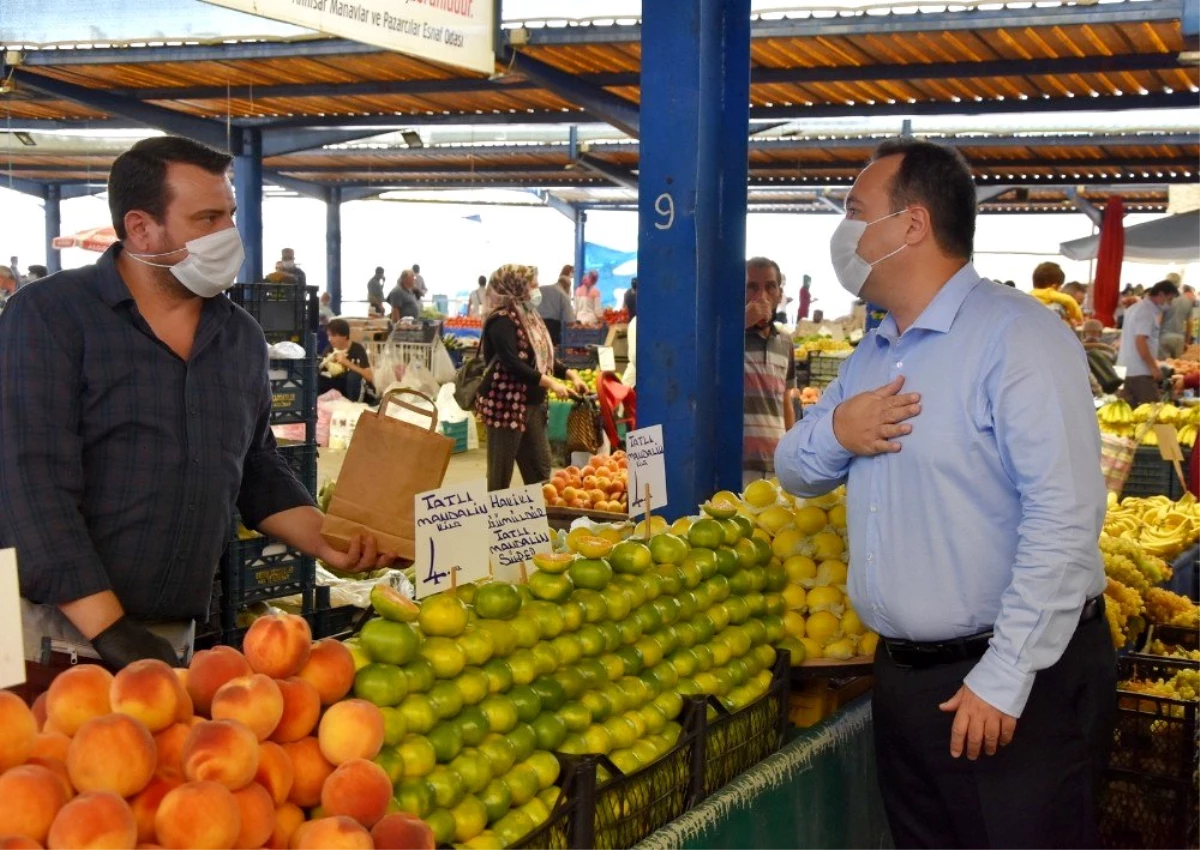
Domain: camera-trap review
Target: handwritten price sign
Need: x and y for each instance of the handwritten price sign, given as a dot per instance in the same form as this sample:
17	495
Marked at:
647	465
452	534
519	529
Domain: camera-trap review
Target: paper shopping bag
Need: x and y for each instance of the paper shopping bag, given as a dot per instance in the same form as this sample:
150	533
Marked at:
388	462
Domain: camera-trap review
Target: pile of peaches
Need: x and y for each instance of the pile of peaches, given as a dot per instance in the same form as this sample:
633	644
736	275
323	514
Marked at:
253	749
600	486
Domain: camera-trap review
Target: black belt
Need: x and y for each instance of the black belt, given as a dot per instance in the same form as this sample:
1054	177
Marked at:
909	653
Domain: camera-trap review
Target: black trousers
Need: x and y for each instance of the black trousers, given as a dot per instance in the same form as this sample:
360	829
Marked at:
528	449
1039	791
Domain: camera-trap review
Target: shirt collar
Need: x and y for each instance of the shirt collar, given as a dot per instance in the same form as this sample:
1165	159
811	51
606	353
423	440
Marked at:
939	314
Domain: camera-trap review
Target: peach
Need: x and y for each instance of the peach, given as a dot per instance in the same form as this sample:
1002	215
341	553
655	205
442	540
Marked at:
330	669
51	745
18	730
18	842
257	810
58	768
274	771
147	845
145	805
359	789
402	831
301	710
351	730
39	710
98	819
30	797
222	751
210	669
254	700
186	709
310	770
168	744
288	818
339	833
76	696
111	753
278	645
148	691
198	815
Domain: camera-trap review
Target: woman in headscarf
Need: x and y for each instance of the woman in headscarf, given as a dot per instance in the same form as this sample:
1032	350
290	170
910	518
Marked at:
522	369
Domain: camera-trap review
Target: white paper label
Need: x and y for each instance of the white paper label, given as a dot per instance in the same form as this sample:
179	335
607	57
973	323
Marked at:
647	465
518	529
608	361
12	639
452	534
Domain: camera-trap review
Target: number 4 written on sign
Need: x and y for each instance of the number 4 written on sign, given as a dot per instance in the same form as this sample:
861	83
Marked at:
434	577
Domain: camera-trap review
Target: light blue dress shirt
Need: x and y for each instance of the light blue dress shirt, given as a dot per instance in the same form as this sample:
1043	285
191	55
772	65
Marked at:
988	517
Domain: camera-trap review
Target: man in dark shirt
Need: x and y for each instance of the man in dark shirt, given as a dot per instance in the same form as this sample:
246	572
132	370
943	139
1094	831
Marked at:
403	298
135	406
631	300
288	258
375	290
346	368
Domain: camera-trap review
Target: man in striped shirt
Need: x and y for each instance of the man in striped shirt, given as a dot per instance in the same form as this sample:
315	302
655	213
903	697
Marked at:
770	372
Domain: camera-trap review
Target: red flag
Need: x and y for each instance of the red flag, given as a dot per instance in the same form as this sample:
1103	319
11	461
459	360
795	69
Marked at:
1111	253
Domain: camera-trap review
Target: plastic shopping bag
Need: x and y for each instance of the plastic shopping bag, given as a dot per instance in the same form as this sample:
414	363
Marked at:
443	366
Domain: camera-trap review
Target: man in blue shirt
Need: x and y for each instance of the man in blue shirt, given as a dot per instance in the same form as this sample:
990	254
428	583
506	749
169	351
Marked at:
965	429
1139	343
135	408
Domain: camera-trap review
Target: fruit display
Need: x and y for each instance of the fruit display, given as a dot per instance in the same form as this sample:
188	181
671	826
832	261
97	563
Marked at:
1184	685
463	323
810	395
253	749
588	376
1161	527
616	317
1164	650
598	486
1131	573
1165	608
1117	417
824	344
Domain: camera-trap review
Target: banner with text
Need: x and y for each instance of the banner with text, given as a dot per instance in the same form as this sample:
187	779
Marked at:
455	32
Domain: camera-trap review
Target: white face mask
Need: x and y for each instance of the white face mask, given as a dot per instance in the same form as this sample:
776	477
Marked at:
852	270
211	265
535	298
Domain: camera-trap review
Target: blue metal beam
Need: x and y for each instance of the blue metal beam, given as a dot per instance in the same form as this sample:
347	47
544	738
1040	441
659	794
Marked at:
555	203
383	123
691	240
248	184
295	184
580	247
25	187
284	141
240	51
81	190
1190	22
333	247
52	196
620	176
211	133
602	104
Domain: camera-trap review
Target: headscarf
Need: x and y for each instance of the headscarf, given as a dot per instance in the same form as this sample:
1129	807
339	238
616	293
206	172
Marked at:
508	294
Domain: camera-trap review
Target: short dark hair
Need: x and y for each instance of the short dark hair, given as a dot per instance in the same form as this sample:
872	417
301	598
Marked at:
138	178
338	327
765	263
40	271
938	178
379	270
1048	274
416	268
1186	288
1163	287
633	283
483	280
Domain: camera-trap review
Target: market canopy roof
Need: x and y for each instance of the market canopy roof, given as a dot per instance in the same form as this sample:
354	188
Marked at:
311	98
1170	239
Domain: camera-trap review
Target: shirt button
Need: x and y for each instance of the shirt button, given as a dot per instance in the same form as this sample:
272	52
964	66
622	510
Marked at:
899	363
191	507
196	459
873	509
870	557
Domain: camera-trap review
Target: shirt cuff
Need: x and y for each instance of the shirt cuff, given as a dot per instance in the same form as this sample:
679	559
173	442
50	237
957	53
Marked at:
999	684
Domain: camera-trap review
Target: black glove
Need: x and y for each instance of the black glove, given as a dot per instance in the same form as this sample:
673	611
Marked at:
126	641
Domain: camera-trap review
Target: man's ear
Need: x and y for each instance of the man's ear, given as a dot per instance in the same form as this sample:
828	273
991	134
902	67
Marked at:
140	229
920	226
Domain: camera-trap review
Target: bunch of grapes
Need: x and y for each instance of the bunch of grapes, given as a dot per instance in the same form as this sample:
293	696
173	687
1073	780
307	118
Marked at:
1121	555
1157	647
1184	685
1170	609
1123	610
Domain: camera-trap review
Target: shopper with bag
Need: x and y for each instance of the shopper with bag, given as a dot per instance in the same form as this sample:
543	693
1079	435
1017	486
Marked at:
521	369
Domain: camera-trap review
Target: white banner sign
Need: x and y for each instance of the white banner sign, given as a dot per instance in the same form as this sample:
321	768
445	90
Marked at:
455	32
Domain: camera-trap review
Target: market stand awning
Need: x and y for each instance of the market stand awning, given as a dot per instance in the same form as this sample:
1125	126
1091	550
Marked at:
1170	239
97	239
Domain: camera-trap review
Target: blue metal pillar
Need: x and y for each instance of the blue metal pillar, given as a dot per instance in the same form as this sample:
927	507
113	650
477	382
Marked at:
691	239
333	247
580	241
248	189
52	195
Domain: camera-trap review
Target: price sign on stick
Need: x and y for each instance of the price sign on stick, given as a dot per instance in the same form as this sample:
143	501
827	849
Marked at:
647	466
518	529
607	359
12	640
452	537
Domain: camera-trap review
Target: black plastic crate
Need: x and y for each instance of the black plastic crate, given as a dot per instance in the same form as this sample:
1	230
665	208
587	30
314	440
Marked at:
1150	475
423	332
578	358
294	391
1140	811
301	459
261	568
735	742
565	828
629	807
340	622
285	310
576	337
822	368
1154	736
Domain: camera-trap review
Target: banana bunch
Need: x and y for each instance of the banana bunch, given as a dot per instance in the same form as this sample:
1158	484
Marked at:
1142	412
1116	413
1161	527
1187	435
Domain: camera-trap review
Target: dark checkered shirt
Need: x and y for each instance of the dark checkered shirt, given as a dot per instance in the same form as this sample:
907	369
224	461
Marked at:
120	463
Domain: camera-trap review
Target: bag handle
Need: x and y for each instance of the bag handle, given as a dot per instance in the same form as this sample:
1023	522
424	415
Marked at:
393	398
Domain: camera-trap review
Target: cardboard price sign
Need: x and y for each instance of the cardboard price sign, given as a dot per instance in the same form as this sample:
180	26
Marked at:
12	639
452	537
518	529
607	359
647	466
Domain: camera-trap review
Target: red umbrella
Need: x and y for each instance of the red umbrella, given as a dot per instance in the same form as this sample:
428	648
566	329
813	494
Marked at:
1109	257
93	239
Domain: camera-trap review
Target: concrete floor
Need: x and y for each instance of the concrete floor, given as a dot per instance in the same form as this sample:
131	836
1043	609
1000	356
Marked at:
463	467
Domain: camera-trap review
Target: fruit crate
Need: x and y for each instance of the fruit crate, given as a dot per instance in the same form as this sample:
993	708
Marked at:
736	741
578	337
1150	475
823	369
566	829
286	311
1141	811
629	807
424	332
260	568
815	699
1172	636
294	389
1154	736
340	622
456	431
301	459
